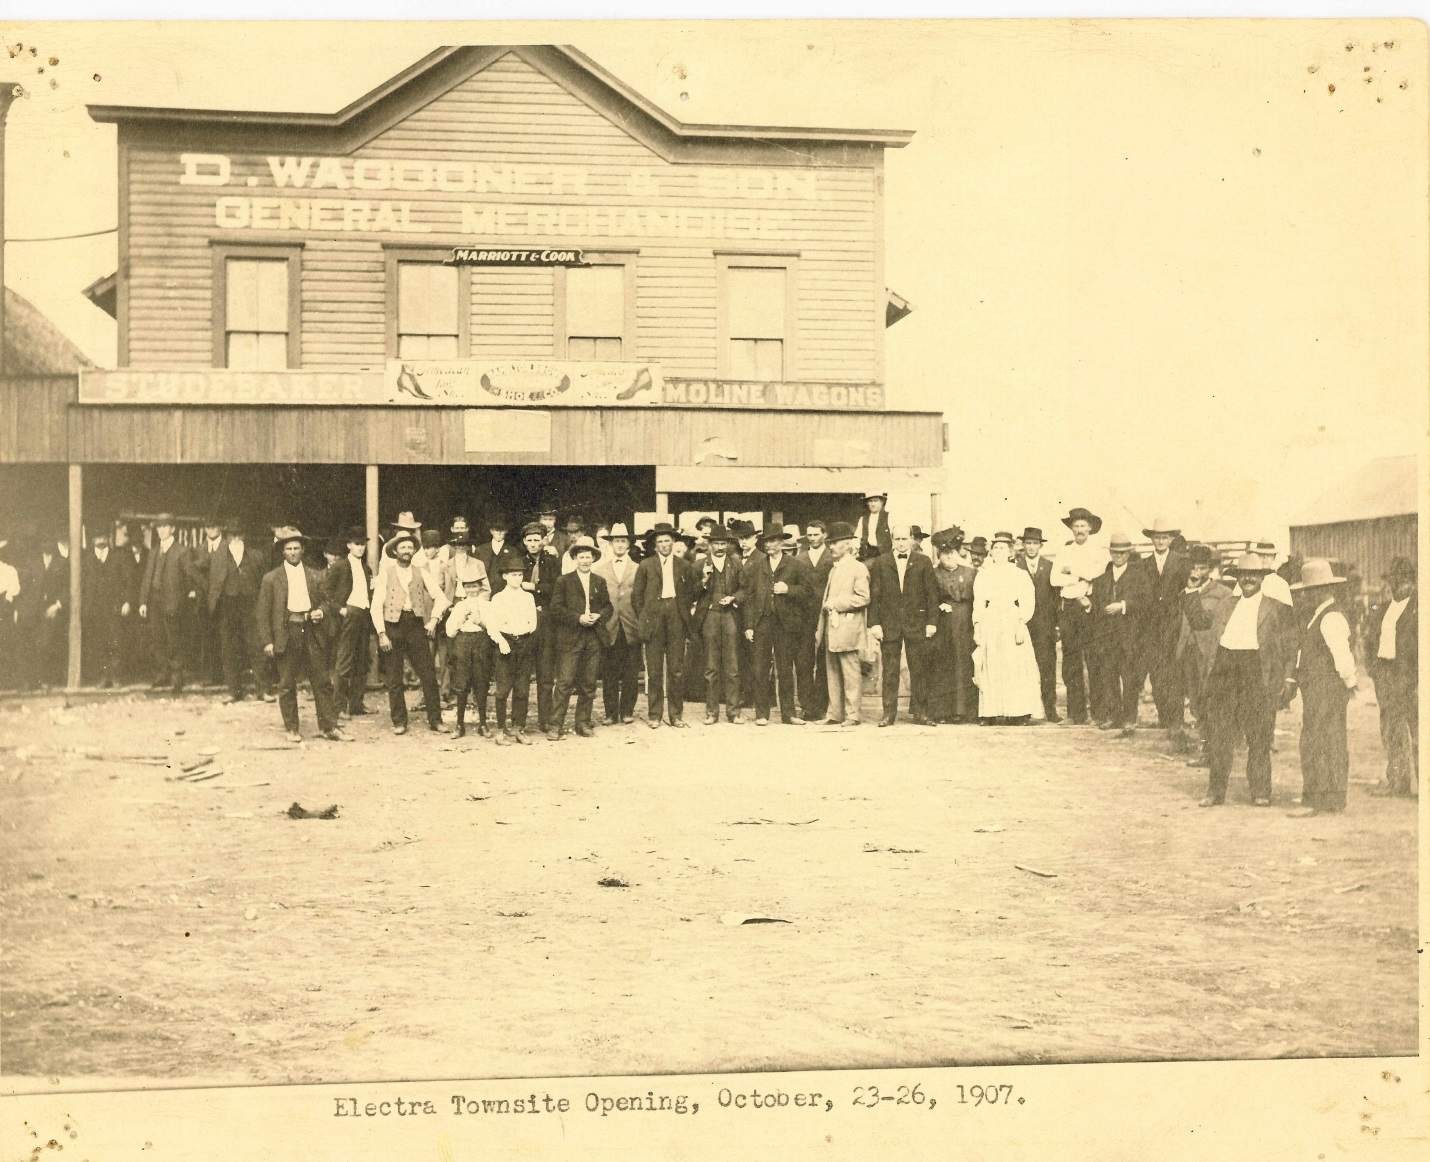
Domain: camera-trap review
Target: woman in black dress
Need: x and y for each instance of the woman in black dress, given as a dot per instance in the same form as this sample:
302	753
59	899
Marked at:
952	695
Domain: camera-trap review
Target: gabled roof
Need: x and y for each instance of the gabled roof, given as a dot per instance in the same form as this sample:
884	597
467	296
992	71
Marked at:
438	71
103	292
1378	488
33	344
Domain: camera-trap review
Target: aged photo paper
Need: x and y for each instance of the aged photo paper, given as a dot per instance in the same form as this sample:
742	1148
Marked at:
712	589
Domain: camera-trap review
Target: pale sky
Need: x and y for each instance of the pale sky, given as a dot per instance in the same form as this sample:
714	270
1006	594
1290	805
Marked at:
1157	267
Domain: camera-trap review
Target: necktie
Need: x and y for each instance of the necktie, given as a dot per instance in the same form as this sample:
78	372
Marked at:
903	556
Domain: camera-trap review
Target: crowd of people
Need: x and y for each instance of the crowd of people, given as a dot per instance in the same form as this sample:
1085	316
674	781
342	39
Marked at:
743	622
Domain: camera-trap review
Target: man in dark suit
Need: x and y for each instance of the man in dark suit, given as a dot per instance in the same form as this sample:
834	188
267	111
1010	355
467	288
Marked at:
1043	625
1120	599
102	594
620	633
662	596
133	564
53	571
168	590
490	551
1247	681
716	621
818	558
234	576
208	628
903	615
347	589
294	628
1166	569
747	539
539	573
873	527
1393	651
579	604
773	600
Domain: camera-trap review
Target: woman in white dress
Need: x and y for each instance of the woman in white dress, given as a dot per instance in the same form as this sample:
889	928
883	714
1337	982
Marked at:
1004	666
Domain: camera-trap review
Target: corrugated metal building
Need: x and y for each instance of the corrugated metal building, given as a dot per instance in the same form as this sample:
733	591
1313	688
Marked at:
500	274
1369	518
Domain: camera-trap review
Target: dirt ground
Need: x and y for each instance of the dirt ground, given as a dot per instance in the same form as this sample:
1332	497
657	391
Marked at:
450	922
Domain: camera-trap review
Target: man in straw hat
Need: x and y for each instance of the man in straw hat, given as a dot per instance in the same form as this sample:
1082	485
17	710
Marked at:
1392	643
620	634
903	616
294	629
1079	563
347	586
407	605
716	621
662	596
1326	679
1248	673
842	625
1166	571
581	602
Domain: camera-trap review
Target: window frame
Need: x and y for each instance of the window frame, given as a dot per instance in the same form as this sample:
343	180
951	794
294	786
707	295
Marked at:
431	256
786	260
561	331
290	252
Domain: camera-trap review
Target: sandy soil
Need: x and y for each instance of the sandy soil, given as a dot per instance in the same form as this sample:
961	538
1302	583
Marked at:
450	921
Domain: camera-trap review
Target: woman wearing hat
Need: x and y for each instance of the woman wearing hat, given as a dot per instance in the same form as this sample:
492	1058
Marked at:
1326	678
1392	643
953	697
1003	663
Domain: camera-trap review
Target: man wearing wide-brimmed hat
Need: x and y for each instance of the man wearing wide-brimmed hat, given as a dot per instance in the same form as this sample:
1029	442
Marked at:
234	576
1393	645
773	590
1249	672
1079	563
1043	625
348	587
407	605
843	625
1326	679
620	635
1166	571
872	531
578	607
662	595
903	616
295	629
1202	598
716	621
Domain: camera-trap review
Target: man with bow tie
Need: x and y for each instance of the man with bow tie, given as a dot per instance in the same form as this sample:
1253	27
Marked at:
903	616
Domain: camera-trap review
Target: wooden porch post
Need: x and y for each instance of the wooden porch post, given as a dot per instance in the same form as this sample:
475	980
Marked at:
76	536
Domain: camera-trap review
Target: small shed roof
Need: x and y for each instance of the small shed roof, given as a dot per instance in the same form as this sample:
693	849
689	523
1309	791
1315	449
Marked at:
33	344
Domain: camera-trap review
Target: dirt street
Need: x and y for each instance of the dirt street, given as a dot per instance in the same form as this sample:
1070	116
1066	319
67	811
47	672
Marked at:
451	921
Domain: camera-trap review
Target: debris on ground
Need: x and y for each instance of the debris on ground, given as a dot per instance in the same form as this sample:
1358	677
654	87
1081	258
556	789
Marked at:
612	882
988	829
298	811
786	822
870	849
1047	875
1357	887
734	919
513	915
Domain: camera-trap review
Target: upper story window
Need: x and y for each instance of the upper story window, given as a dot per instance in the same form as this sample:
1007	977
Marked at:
257	318
428	305
595	312
756	317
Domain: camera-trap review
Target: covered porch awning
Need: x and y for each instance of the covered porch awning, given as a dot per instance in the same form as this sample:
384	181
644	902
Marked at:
747	478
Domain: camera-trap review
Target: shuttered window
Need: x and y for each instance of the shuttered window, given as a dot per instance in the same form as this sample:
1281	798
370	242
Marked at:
256	314
596	312
756	307
428	313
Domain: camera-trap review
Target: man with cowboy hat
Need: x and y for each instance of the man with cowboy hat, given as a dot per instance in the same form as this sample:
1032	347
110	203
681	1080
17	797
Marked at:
407	605
1043	626
842	625
716	620
1393	645
579	605
903	616
347	585
470	651
234	576
620	633
1166	570
773	594
1248	673
1326	678
873	528
1079	563
294	629
1121	598
661	596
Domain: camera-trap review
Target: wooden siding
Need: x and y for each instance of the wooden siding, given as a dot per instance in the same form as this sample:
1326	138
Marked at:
33	419
511	112
579	436
1369	545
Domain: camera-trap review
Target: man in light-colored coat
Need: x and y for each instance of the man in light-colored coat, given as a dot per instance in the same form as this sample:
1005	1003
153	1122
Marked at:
841	628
